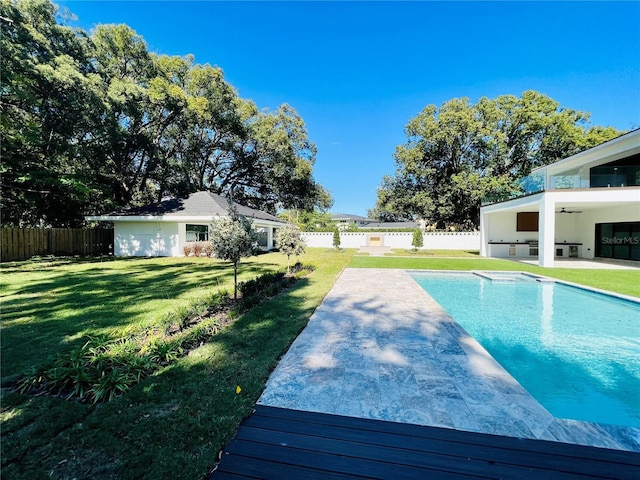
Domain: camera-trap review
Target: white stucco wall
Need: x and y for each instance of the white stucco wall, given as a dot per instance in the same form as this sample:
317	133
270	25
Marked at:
400	240
146	239
162	239
503	228
587	222
618	205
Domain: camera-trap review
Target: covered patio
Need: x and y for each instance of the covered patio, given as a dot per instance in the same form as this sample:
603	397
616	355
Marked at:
561	224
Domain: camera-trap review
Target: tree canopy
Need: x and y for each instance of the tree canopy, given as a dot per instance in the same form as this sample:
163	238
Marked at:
232	239
94	122
290	242
460	153
309	220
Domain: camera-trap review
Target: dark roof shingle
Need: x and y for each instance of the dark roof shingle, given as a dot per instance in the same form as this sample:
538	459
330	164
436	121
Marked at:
204	204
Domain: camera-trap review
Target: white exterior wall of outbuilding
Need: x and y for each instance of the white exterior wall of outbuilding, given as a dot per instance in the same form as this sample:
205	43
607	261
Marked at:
166	238
146	239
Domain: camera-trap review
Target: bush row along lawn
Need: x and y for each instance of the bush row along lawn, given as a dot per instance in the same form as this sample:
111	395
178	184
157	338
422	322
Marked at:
173	423
626	282
50	307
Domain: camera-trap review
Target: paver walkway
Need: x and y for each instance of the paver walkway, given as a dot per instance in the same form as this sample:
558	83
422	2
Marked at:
380	347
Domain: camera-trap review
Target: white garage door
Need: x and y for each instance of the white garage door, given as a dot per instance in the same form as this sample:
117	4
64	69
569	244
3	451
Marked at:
145	245
156	245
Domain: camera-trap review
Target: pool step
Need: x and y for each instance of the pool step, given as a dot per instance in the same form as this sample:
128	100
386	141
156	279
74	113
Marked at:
494	278
505	278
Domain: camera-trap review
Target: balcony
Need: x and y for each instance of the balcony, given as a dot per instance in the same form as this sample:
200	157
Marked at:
599	177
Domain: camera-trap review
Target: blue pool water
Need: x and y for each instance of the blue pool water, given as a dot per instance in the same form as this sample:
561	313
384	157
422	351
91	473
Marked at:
576	351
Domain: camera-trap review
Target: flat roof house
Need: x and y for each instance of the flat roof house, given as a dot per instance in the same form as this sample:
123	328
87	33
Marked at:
162	229
584	206
344	219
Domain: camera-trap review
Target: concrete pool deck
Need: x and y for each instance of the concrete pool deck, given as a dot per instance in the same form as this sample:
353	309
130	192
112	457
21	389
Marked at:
380	347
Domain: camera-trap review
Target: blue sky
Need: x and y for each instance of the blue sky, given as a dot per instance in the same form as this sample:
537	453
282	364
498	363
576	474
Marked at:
358	71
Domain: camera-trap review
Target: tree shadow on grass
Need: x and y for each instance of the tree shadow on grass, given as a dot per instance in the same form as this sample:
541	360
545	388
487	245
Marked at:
172	424
53	310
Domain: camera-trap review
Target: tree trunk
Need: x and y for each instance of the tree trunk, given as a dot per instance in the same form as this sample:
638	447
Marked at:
235	280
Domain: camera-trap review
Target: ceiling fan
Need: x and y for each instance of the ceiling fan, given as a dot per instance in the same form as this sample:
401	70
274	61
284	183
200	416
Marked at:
563	210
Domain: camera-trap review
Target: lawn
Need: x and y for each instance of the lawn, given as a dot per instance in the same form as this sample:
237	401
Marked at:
399	252
173	423
52	307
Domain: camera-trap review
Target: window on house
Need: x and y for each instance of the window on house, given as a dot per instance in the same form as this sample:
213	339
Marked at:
197	233
263	237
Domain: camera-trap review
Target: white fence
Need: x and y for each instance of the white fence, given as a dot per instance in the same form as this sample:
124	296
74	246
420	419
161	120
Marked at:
431	240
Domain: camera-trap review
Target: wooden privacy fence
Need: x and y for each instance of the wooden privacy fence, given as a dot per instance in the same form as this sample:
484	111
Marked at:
23	243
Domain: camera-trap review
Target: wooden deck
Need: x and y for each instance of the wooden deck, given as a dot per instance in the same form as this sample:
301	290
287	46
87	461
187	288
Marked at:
276	443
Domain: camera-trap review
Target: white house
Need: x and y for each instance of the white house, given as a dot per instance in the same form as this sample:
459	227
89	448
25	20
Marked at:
162	229
585	206
345	220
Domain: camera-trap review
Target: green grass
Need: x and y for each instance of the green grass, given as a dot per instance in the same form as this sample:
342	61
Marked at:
626	282
51	307
432	253
173	423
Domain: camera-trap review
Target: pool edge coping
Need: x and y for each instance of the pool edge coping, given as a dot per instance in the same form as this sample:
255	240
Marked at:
621	296
613	430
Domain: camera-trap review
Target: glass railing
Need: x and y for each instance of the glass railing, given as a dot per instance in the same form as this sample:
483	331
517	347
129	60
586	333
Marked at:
533	183
530	184
567	182
603	176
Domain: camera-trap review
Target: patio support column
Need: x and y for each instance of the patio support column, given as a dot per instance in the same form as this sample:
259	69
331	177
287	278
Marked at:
547	231
484	235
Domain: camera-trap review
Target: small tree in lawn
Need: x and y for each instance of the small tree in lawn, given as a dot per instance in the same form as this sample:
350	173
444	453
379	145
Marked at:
233	238
336	238
290	242
417	241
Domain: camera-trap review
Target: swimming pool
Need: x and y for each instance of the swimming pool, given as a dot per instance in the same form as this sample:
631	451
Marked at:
576	351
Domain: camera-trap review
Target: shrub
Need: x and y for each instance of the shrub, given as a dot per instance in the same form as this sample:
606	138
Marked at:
304	268
208	249
197	249
104	368
187	249
417	240
259	284
336	238
250	301
111	384
164	351
96	372
250	287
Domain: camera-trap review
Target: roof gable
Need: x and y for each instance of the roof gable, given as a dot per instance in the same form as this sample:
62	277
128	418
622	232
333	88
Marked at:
624	146
349	217
384	225
199	204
